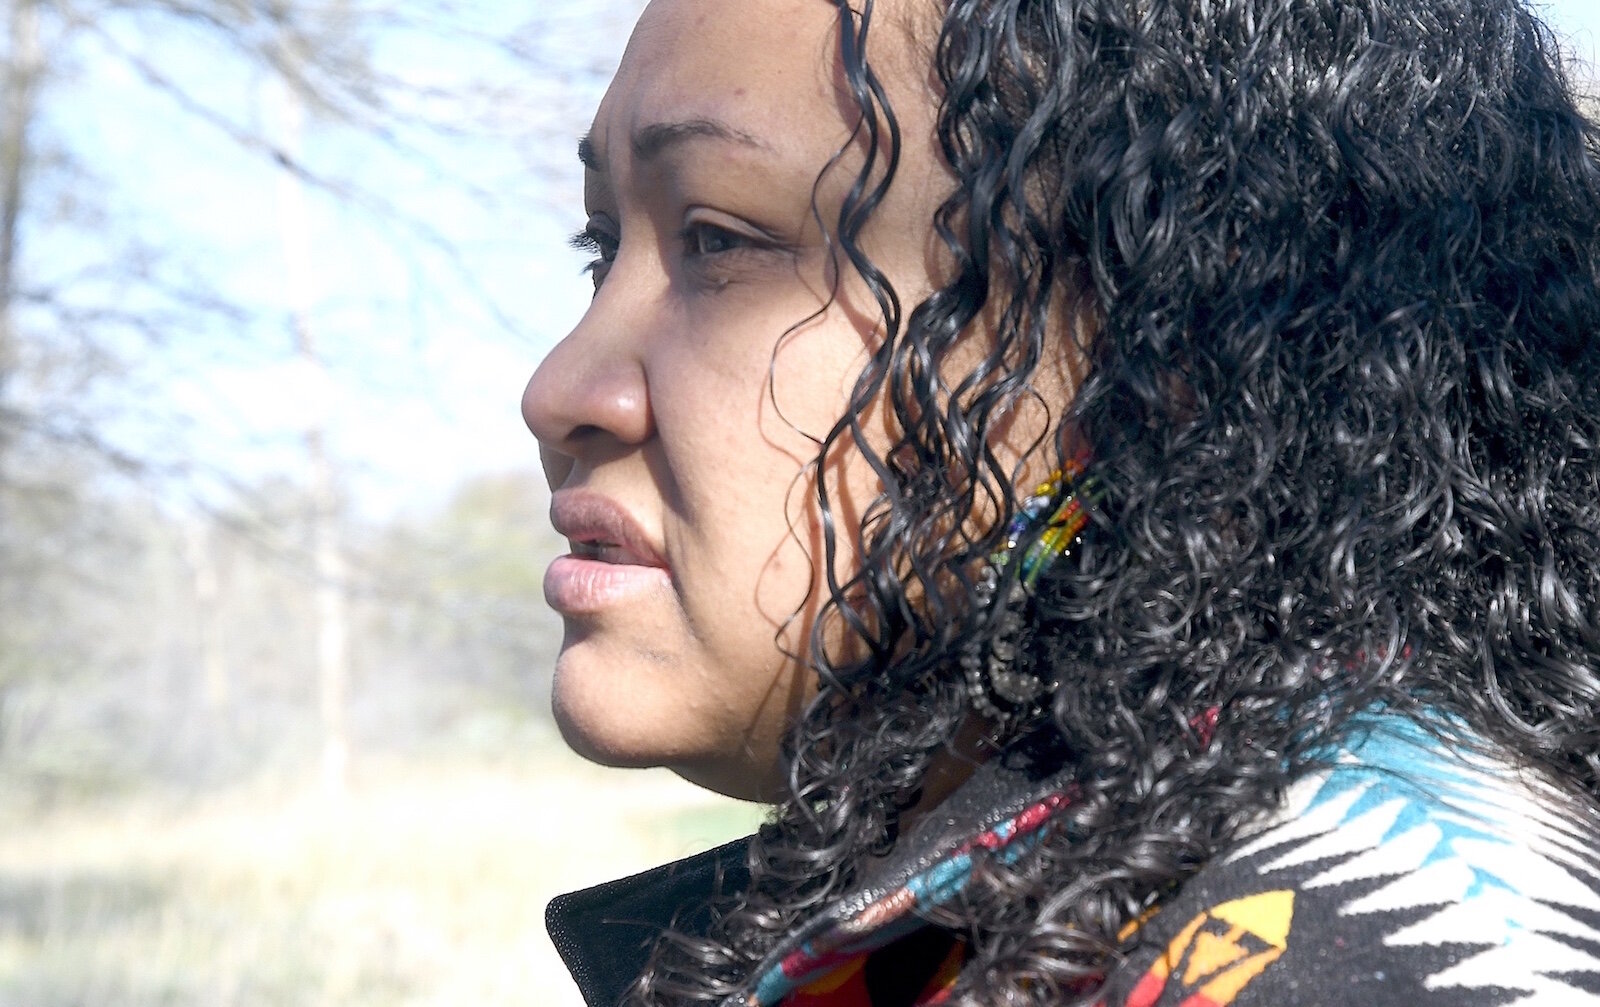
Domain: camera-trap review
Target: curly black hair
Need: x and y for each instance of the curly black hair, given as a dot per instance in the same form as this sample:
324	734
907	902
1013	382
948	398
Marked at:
1332	267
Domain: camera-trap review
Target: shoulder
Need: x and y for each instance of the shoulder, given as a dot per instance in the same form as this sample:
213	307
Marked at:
1406	875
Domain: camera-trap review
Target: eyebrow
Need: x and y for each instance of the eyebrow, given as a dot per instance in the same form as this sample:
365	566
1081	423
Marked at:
652	141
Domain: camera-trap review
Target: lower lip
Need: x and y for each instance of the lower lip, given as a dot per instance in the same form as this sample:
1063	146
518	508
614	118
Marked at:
575	586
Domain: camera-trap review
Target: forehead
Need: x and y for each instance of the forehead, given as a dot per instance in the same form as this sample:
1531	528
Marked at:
768	68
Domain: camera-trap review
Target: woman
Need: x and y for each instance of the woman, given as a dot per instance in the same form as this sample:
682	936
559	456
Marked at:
1289	304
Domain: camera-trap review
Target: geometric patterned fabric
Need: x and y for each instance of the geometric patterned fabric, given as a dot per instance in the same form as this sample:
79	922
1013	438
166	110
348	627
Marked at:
838	960
1407	875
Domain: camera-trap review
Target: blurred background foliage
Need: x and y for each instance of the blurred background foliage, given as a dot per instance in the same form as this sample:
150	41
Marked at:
274	659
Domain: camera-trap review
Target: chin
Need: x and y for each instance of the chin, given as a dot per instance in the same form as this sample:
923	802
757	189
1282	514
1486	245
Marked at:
592	731
607	729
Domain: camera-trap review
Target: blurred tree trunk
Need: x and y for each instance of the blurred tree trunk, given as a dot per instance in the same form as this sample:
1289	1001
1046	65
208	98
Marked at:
202	561
327	552
23	63
24	60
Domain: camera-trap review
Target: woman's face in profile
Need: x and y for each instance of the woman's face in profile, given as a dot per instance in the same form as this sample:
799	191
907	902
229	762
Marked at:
677	421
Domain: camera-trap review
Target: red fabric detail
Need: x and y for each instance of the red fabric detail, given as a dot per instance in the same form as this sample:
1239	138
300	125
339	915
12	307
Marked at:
846	987
1027	820
802	962
833	990
882	912
1147	992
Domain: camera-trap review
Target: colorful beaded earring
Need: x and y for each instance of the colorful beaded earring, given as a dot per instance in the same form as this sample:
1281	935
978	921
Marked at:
1045	527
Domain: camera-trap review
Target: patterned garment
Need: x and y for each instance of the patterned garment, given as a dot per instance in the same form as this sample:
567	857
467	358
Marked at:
1405	876
829	963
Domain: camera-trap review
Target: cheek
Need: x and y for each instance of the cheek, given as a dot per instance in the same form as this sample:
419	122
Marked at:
742	417
799	587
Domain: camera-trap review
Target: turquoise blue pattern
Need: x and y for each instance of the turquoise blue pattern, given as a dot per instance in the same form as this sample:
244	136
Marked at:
1478	833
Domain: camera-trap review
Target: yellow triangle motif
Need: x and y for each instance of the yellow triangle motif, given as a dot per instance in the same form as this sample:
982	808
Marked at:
1266	915
1221	950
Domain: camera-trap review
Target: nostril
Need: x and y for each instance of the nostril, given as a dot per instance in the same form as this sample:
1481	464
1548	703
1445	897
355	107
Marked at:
557	467
584	398
590	391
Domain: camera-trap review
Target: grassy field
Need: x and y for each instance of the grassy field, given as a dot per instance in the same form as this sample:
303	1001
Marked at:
425	886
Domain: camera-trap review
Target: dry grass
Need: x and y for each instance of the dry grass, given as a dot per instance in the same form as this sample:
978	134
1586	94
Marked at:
426	886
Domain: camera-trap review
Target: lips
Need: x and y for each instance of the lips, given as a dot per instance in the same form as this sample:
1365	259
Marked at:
603	551
612	560
601	530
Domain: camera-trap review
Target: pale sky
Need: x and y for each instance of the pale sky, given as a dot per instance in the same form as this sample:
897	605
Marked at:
1579	20
424	380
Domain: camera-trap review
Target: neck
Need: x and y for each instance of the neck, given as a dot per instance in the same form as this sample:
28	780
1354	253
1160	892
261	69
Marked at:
949	769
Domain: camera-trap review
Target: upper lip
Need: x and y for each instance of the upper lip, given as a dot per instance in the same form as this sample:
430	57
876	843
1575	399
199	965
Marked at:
590	520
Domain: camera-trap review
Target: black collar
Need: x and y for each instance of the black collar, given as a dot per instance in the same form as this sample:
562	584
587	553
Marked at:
604	934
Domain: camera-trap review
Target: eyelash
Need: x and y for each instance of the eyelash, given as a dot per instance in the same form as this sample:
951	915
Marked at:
602	246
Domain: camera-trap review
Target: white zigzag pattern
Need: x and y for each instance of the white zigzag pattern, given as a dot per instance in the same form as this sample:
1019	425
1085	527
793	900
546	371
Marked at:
1494	893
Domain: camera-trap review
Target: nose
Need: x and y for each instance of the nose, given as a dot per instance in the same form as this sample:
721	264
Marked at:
589	396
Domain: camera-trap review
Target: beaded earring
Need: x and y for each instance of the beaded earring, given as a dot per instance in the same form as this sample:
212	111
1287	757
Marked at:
1049	522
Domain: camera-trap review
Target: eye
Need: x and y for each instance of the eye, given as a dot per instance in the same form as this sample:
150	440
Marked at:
701	239
599	240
